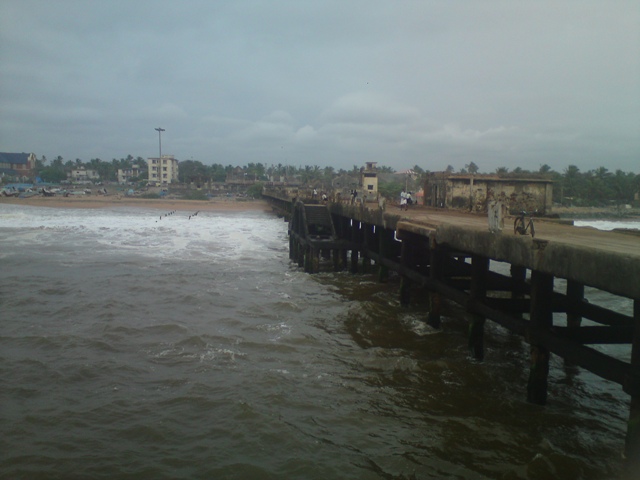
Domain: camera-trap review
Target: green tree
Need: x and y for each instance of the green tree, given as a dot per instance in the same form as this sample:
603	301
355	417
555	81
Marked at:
472	168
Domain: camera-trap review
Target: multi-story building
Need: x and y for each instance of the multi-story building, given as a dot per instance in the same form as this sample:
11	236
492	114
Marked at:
125	175
163	171
18	165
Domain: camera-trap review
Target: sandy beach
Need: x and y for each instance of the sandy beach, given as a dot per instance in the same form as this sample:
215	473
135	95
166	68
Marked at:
168	204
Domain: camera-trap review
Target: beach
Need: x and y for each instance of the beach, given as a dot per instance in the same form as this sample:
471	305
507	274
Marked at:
164	204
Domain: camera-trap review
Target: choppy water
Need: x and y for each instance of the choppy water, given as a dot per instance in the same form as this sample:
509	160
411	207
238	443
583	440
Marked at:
133	347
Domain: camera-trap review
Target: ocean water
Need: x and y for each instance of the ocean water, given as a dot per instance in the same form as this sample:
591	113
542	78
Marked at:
134	346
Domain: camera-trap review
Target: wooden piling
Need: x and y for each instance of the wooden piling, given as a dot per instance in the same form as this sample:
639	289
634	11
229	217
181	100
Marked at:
575	295
436	267
385	251
479	272
541	319
406	260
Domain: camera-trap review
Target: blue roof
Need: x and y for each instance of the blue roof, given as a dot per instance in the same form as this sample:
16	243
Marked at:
14	158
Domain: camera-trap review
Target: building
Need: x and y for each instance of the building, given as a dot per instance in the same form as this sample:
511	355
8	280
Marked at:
369	179
125	175
163	171
83	175
20	165
474	192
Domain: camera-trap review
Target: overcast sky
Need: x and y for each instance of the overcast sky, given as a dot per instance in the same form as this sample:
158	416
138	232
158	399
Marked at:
327	83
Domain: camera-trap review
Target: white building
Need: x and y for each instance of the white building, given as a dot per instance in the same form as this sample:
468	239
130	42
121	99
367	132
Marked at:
163	171
82	174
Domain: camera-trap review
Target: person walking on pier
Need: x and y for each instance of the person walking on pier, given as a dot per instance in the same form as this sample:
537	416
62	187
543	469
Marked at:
403	200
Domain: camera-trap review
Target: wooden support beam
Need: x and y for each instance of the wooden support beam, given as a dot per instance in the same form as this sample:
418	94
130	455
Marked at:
511	305
541	318
479	270
632	441
596	335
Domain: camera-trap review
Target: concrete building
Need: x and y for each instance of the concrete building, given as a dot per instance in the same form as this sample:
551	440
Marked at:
163	171
369	179
82	174
125	175
474	192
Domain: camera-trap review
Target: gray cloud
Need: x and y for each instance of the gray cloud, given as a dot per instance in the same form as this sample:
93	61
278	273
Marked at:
328	83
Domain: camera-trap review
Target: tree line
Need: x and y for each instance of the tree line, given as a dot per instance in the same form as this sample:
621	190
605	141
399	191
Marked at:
572	186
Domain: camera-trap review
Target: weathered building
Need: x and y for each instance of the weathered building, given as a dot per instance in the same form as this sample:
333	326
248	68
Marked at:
126	174
19	165
474	192
81	174
369	179
163	170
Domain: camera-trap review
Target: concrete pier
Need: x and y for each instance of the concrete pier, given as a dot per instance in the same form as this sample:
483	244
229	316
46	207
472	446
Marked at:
449	254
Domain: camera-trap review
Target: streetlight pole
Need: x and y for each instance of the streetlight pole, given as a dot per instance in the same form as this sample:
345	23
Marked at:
159	130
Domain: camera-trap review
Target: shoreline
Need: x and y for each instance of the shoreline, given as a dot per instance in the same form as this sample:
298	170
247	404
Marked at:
90	202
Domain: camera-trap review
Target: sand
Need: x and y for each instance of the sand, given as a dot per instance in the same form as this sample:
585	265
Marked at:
167	204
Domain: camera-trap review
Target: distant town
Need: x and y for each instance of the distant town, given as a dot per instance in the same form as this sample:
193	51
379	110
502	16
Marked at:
156	176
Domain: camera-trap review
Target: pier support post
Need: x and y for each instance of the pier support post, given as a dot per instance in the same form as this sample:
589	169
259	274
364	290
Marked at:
300	253
575	295
518	277
338	265
406	260
479	271
541	318
632	442
311	260
436	266
385	250
355	253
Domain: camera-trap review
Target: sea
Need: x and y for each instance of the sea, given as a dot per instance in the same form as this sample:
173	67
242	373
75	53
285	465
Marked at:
142	344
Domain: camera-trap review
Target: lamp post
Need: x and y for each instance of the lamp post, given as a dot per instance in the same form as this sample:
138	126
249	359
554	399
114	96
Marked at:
159	130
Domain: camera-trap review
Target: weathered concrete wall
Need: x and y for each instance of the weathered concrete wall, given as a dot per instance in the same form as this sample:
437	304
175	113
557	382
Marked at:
473	193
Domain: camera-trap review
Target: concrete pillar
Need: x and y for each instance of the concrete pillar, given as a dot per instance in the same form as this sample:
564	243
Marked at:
632	442
479	271
541	318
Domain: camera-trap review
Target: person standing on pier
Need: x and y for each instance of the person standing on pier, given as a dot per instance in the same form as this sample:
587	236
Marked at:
403	200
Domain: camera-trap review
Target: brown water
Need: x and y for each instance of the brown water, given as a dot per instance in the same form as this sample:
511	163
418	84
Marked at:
132	348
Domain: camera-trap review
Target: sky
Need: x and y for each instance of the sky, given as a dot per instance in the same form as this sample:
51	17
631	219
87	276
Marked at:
325	83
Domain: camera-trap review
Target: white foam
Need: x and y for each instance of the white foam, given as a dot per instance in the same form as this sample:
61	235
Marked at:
609	224
143	232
